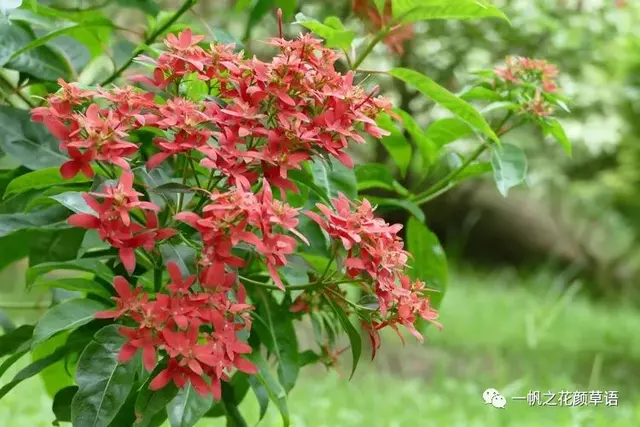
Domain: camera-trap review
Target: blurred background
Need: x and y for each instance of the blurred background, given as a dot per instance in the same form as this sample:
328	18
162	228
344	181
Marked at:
543	285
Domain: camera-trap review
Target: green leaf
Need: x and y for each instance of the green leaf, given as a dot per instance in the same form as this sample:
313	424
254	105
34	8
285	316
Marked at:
480	93
446	131
334	33
509	167
183	255
65	316
375	175
354	337
53	245
423	10
74	201
554	128
234	417
150	403
262	396
43	62
303	178
446	99
43	178
276	393
104	384
52	218
11	341
405	204
172	188
334	178
74	284
61	406
60	374
474	170
28	142
281	339
150	7
33	369
88	265
429	261
428	149
396	144
188	407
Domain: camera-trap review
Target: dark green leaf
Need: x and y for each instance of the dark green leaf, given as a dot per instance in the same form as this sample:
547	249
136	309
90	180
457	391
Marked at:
308	357
354	337
74	201
104	384
396	144
43	62
150	403
234	417
74	284
445	131
188	407
375	175
28	142
52	218
428	149
301	177
89	265
58	375
65	316
509	167
183	255
446	99
62	403
261	395
282	340
405	204
429	262
276	393
422	10
33	369
43	178
172	188
11	341
336	36
334	178
54	245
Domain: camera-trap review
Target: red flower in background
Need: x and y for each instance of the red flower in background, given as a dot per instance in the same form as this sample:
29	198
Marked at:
368	11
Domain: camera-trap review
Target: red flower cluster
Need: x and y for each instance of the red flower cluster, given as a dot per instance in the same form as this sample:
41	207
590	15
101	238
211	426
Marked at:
535	77
241	216
114	224
257	121
172	323
375	253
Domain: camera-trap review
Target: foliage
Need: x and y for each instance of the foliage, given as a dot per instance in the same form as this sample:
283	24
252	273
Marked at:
168	191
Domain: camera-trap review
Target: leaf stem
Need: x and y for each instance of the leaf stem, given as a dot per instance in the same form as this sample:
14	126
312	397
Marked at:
188	4
15	90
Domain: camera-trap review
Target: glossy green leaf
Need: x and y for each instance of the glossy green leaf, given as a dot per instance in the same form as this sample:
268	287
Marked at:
281	339
396	144
61	406
427	148
301	177
104	384
554	128
335	35
405	204
149	403
183	255
52	218
276	393
74	284
354	337
334	178
446	99
74	201
509	167
11	341
28	142
65	316
39	179
43	62
33	369
188	407
423	10
60	374
446	131
88	265
428	262
53	245
375	175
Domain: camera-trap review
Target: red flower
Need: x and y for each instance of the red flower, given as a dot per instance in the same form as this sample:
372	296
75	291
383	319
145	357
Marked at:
126	301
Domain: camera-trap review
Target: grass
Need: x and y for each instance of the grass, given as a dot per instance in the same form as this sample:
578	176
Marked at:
538	336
